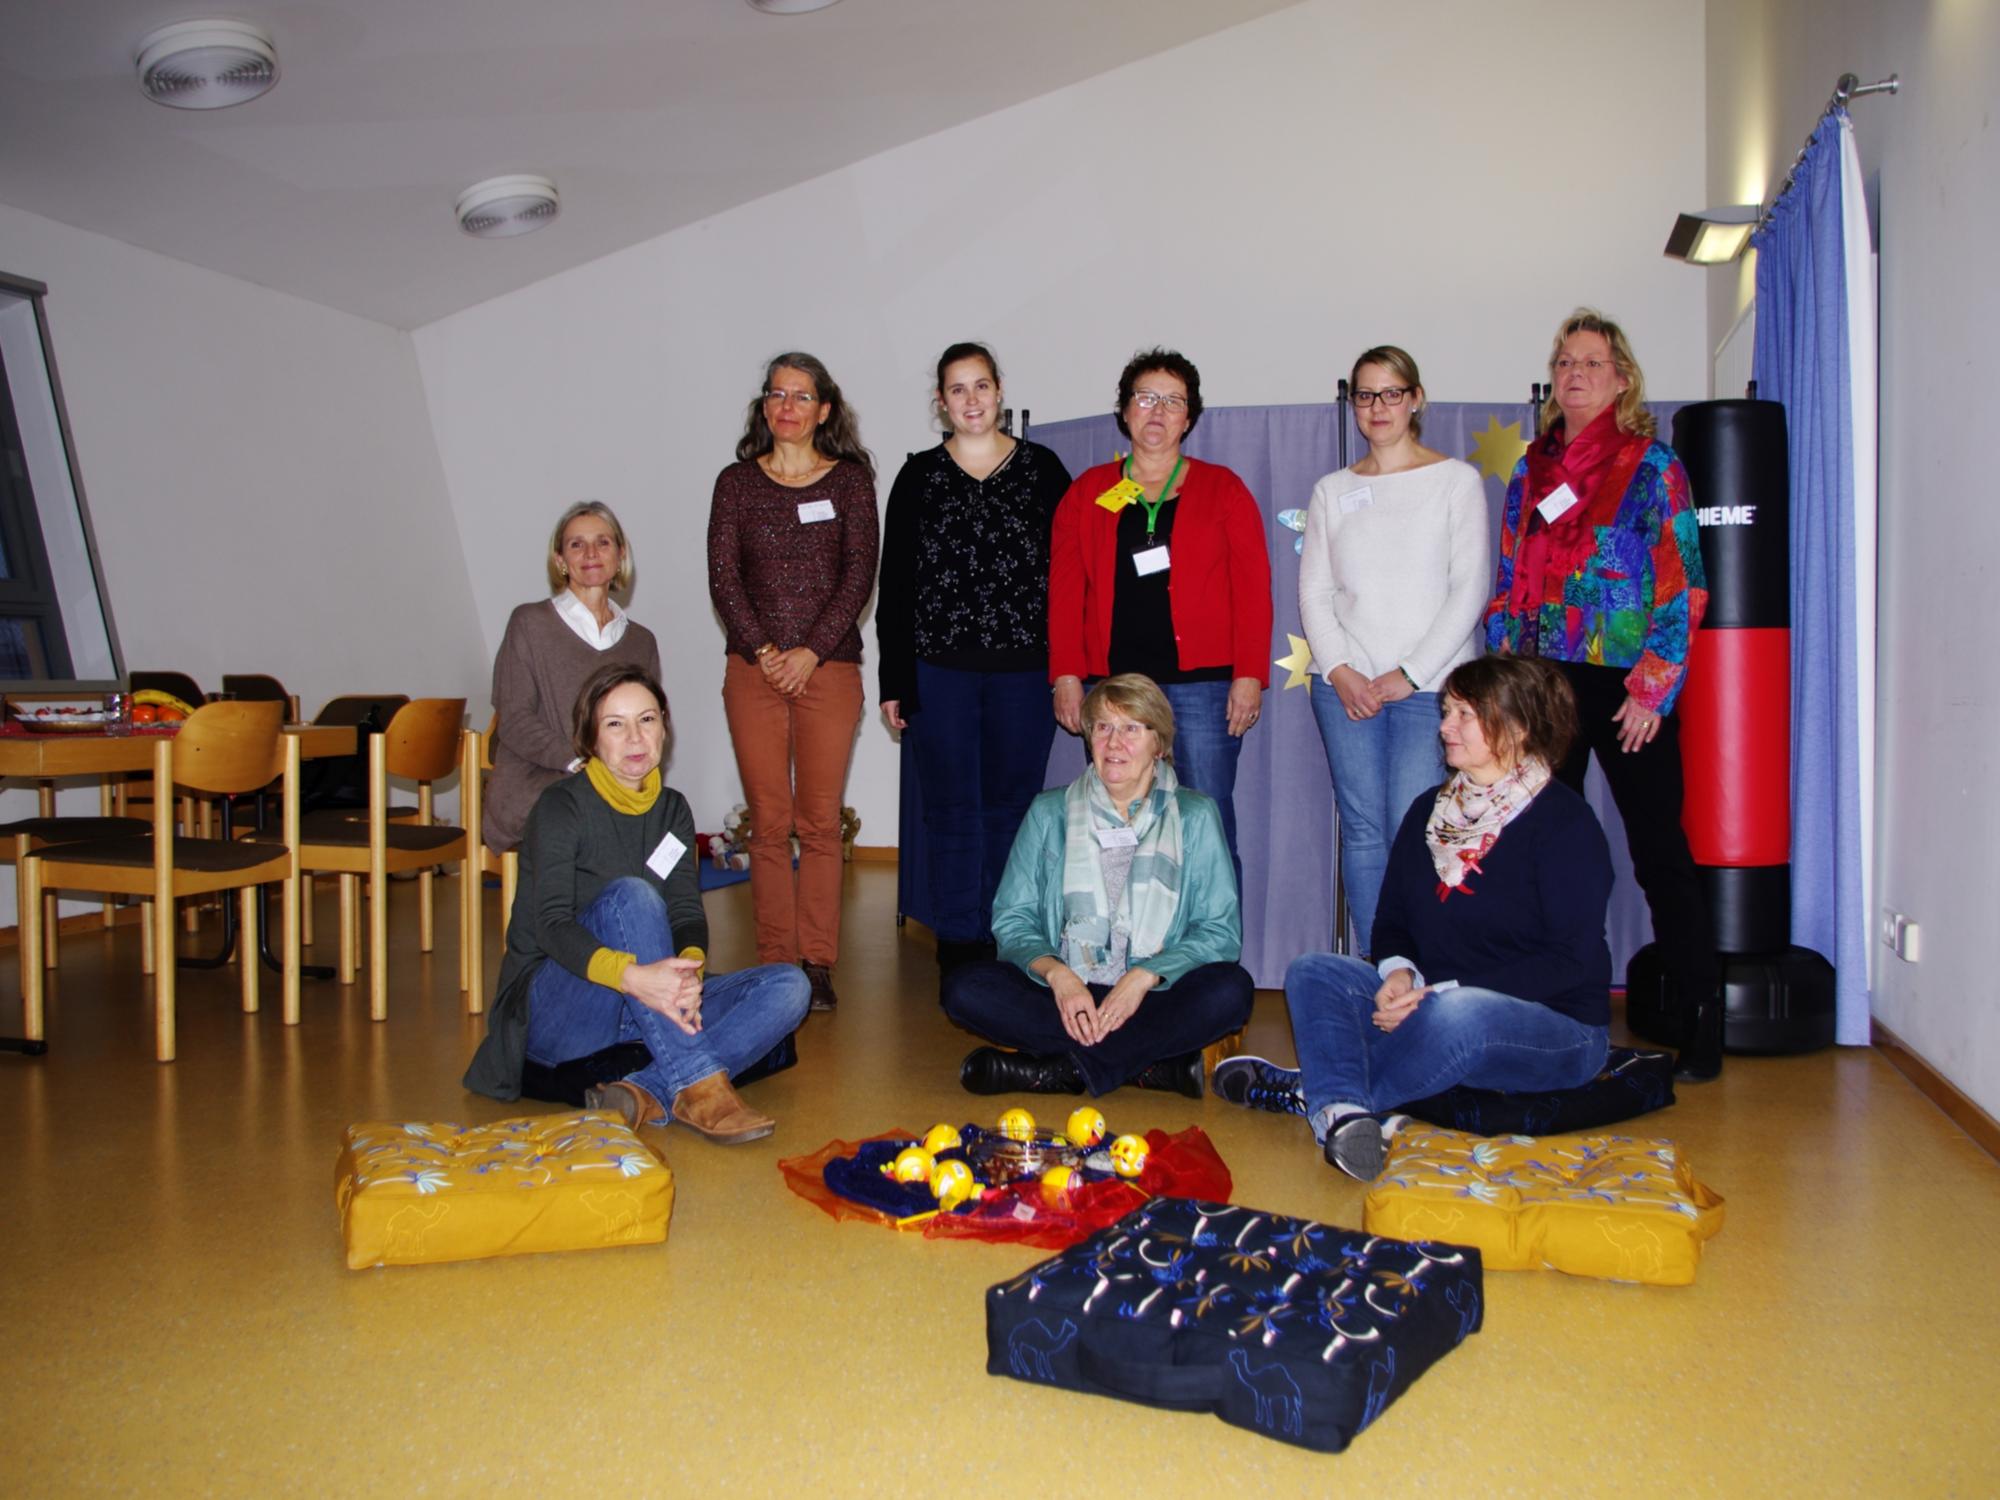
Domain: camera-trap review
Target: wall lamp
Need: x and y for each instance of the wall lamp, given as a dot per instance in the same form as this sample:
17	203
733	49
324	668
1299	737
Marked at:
1713	237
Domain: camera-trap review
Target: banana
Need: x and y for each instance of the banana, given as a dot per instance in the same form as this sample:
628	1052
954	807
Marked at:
159	699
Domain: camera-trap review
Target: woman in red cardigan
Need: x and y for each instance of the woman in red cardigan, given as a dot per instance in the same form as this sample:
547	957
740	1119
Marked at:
1159	564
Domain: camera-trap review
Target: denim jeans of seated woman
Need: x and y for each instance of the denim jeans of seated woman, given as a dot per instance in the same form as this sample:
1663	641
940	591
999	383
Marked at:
1475	1037
980	743
743	1015
1205	752
1380	766
1004	1003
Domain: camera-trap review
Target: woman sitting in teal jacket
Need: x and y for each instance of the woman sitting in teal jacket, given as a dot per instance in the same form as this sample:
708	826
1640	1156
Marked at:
1116	921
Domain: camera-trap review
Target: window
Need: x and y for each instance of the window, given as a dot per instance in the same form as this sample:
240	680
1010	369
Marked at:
55	619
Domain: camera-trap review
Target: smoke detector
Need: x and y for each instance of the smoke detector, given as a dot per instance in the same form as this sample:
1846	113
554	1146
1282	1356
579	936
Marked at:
501	207
207	64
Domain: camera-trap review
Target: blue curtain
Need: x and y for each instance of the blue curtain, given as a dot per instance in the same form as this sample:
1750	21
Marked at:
1284	796
1802	358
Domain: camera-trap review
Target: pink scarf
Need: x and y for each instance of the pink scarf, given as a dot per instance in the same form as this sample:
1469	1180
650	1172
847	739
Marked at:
1467	819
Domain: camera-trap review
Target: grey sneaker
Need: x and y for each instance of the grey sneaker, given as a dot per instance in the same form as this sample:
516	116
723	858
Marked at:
1256	1083
1359	1144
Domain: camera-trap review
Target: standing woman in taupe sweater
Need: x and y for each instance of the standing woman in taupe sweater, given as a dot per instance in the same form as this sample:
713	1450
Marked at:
550	646
792	547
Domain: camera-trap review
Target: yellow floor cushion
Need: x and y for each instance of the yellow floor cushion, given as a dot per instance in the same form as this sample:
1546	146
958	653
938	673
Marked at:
410	1194
1618	1207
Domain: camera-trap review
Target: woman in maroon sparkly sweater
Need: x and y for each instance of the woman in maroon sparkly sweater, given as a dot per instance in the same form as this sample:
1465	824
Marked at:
792	545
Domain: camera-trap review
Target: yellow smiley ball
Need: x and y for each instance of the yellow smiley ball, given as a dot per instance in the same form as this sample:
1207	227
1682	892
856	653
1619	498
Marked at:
1128	1155
1056	1183
941	1138
1017	1125
952	1183
914	1164
1086	1126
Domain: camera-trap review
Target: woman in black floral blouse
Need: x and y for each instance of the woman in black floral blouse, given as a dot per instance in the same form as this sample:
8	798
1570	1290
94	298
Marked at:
962	620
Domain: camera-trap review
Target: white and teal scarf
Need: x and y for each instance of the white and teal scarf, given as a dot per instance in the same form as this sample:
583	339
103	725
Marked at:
1152	896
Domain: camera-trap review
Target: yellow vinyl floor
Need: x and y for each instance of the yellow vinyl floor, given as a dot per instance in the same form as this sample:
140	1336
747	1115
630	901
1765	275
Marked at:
177	1319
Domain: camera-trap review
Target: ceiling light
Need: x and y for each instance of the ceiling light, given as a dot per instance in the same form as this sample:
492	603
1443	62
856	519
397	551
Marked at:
789	7
501	207
207	64
1713	237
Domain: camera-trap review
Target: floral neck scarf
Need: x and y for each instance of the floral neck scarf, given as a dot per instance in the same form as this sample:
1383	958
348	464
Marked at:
1467	818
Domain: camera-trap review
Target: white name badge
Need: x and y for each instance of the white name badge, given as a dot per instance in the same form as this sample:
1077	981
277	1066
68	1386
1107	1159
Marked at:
1117	838
815	510
1355	500
1559	500
663	859
1152	560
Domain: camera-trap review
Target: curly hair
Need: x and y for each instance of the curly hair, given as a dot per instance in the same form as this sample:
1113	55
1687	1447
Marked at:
1630	411
838	437
1169	362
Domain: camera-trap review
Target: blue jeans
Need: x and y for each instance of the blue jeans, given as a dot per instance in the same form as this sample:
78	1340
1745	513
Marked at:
1004	1003
980	741
1205	752
1476	1037
1380	766
743	1015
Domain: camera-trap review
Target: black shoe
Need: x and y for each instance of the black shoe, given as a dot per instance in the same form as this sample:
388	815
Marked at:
1359	1144
1256	1083
1700	1061
1173	1075
821	978
990	1070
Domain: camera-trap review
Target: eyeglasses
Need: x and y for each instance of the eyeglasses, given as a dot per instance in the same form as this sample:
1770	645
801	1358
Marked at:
1147	400
1389	395
1564	364
789	398
1125	729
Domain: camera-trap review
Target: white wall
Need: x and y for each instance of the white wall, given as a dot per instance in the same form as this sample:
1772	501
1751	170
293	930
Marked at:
1929	156
261	477
1453	177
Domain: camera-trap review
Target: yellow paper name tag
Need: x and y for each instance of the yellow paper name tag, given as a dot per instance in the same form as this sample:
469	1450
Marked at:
1120	495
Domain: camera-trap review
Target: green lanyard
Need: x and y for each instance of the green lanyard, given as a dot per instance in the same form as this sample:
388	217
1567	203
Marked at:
1153	506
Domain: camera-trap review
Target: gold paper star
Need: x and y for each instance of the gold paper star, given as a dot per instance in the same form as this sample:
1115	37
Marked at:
1298	664
1498	449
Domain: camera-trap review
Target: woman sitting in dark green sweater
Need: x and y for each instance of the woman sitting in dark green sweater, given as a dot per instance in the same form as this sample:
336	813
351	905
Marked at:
607	939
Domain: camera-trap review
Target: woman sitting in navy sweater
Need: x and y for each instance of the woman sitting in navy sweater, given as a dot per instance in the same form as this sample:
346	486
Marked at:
1494	971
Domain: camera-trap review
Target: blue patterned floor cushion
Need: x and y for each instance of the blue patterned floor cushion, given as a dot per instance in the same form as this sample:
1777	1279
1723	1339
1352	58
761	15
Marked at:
1301	1331
1634	1082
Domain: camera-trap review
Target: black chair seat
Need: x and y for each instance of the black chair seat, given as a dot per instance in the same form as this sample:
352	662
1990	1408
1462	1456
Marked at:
76	830
344	832
209	856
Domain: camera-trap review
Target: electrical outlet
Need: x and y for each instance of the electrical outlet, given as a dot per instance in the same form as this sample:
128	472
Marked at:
1907	945
1892	926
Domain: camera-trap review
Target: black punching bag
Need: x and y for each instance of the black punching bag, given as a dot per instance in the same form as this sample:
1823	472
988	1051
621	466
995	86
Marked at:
1735	713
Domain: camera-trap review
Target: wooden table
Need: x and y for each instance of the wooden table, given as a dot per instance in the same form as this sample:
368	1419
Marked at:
48	757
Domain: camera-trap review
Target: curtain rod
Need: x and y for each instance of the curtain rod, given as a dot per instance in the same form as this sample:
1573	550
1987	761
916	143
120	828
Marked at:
1846	87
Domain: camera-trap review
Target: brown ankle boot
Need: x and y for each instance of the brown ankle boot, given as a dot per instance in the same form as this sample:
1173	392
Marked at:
627	1100
713	1108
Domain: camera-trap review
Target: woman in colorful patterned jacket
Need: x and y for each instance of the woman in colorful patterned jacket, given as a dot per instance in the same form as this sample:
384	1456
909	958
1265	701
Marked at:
1601	573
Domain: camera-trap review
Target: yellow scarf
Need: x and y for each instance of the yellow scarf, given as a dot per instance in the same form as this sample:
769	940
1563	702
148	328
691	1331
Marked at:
621	797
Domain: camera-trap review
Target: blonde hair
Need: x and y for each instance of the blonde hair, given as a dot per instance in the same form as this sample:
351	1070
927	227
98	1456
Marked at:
621	582
1136	695
1399	364
1629	412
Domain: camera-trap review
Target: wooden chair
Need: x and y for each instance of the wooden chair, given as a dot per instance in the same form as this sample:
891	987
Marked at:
222	749
19	839
508	865
423	743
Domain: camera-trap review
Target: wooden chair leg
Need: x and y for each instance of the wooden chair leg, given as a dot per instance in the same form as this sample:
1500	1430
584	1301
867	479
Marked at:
28	906
345	963
246	946
163	973
296	923
474	918
306	910
105	801
426	915
148	959
51	913
378	945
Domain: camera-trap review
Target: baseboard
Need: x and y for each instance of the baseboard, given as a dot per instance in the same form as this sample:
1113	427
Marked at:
83	921
874	854
1941	1091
